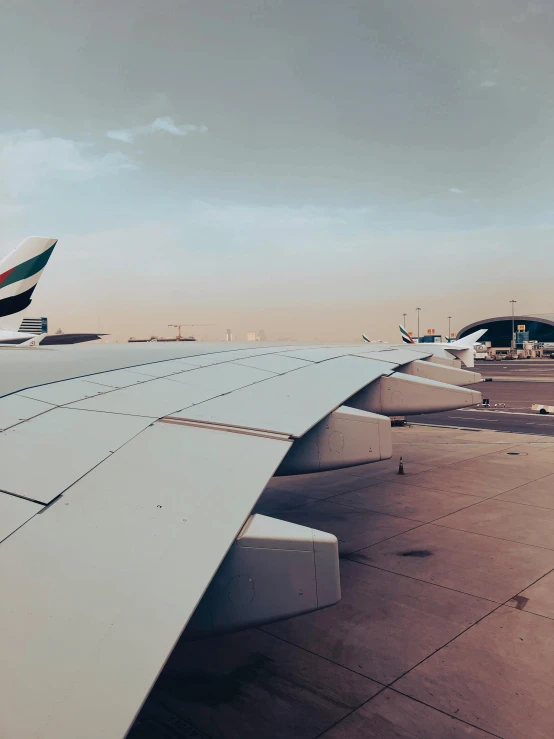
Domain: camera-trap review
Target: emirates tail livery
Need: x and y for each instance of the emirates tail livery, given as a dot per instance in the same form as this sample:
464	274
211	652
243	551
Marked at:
20	272
406	338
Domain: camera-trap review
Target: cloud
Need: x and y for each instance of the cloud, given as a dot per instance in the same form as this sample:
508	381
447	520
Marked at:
456	190
488	83
159	125
31	162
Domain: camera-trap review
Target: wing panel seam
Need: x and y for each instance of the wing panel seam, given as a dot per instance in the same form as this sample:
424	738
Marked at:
230	428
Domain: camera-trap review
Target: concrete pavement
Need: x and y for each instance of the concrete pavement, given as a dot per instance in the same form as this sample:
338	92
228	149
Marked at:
446	625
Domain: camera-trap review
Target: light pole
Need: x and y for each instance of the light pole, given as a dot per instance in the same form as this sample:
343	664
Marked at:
404	317
418	310
449	334
513	302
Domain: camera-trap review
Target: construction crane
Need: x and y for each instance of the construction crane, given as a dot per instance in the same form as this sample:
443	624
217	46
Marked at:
178	326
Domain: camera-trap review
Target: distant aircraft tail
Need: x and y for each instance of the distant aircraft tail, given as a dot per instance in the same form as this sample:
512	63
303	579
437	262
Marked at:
364	337
406	338
20	272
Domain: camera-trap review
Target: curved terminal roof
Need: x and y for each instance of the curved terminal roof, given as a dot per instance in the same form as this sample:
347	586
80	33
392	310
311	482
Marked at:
540	327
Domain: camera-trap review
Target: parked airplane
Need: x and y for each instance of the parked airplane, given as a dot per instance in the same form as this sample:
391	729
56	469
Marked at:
373	341
20	272
461	348
34	340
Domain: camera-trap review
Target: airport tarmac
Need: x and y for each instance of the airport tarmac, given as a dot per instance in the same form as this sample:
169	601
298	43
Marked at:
515	386
446	625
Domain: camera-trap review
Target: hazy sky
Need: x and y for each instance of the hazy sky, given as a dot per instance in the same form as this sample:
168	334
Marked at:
311	167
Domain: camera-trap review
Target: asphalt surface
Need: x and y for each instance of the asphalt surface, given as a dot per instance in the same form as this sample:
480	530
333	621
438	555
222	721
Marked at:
515	386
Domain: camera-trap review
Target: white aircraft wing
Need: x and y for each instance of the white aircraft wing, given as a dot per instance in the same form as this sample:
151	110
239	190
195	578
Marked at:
123	485
395	355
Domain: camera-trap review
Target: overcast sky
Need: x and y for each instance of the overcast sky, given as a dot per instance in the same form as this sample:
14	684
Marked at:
311	167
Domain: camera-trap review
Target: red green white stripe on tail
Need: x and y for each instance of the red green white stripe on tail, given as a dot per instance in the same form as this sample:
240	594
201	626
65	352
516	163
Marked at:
406	338
20	272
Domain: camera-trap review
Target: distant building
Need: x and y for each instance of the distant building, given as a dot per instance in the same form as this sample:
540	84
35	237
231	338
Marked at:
530	327
430	339
228	335
258	335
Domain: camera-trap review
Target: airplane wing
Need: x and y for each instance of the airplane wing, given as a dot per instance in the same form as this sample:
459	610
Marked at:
127	474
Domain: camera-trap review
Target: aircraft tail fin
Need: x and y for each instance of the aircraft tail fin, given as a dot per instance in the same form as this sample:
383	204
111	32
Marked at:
364	337
406	338
20	272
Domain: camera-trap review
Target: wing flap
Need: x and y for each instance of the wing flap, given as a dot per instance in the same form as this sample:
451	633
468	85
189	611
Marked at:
109	574
65	444
153	399
294	402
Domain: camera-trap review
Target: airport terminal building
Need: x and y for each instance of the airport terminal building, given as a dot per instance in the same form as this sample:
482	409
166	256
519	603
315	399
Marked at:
535	328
